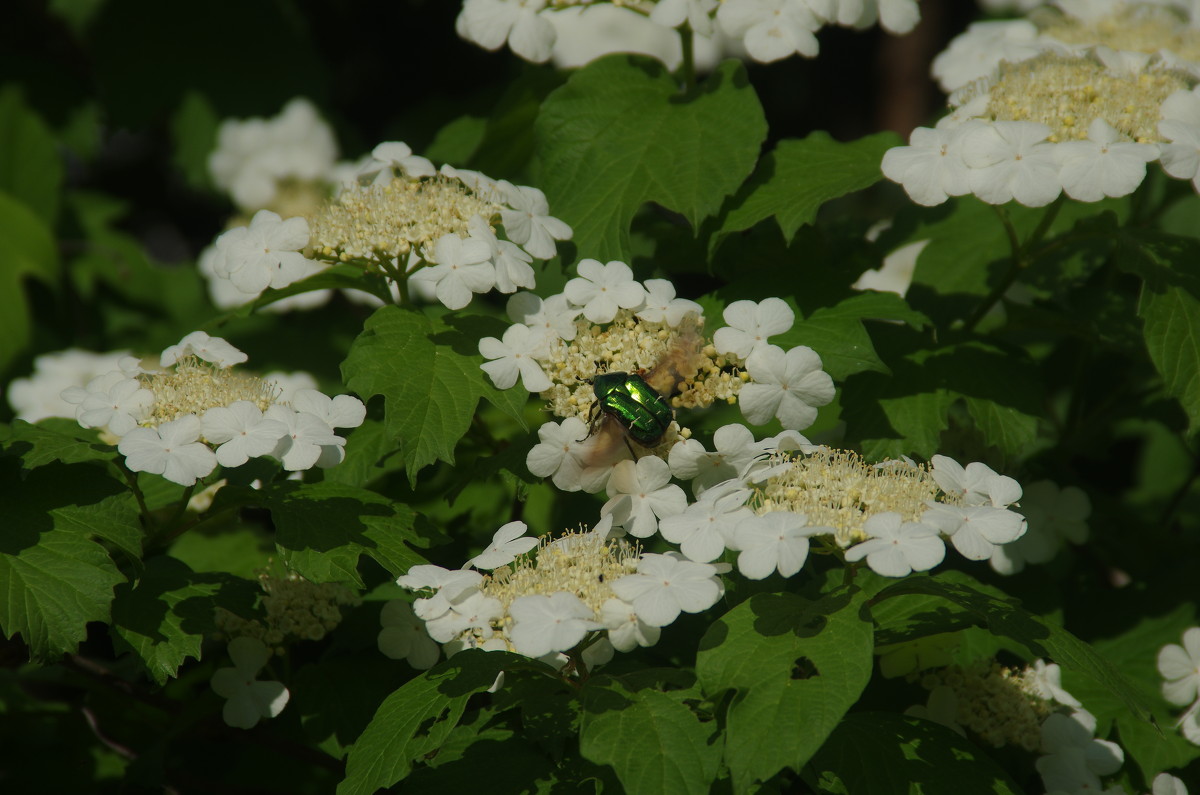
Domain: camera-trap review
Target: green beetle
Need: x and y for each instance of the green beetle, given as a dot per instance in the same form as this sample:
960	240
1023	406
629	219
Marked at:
626	397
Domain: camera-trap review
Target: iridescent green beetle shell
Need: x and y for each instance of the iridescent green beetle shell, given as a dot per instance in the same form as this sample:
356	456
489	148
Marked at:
627	397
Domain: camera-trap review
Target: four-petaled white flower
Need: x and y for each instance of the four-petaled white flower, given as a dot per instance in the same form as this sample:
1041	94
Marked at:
529	223
209	349
553	318
308	441
507	543
785	385
1180	667
463	267
264	254
403	636
1107	164
706	528
510	260
558	453
241	431
931	167
975	529
248	700
663	306
603	289
775	541
640	494
490	23
1011	160
771	29
750	324
172	450
516	354
666	585
897	548
626	630
113	400
544	624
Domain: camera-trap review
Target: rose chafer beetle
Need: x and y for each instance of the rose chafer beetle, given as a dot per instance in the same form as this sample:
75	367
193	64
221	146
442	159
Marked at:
627	398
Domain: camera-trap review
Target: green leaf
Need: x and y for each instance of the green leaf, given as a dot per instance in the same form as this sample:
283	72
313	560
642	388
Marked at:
370	454
163	618
339	277
194	130
1170	309
1002	616
798	176
54	576
26	249
797	665
905	414
56	439
839	335
888	754
620	134
654	742
334	717
31	170
457	141
1003	426
323	528
428	373
412	723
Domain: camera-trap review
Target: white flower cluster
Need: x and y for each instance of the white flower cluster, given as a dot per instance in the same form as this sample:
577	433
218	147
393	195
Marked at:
40	395
255	157
605	321
401	218
895	515
583	593
1030	709
194	412
768	30
1077	103
1180	667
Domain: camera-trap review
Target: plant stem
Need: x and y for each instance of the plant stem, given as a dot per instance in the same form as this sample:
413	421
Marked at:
1019	258
687	67
131	479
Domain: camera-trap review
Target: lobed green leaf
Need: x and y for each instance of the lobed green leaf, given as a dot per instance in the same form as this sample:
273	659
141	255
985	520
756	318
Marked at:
428	372
55	576
797	667
653	742
798	176
413	722
620	134
323	528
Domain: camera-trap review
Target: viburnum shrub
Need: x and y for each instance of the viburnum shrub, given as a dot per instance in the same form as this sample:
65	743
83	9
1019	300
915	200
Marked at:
595	425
